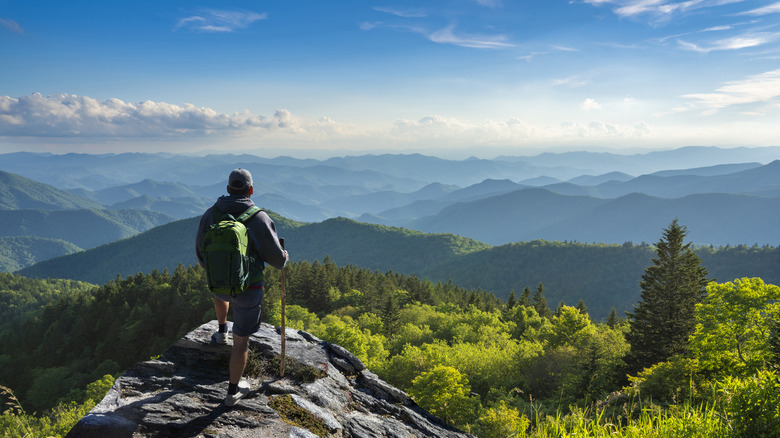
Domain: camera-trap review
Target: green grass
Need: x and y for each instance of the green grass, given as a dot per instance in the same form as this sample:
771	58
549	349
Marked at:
674	422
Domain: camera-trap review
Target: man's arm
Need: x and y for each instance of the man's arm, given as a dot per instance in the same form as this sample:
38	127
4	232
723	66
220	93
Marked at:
199	238
266	241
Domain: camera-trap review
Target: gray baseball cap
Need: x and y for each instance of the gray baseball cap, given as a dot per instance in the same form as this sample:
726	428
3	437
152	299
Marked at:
240	179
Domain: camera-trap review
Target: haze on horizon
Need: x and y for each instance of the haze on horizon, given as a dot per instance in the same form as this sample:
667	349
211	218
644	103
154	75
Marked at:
482	77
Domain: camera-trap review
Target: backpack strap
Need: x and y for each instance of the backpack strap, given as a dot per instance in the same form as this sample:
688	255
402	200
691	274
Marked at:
218	215
248	213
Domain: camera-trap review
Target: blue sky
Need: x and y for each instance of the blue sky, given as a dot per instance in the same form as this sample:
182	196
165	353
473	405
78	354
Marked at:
309	78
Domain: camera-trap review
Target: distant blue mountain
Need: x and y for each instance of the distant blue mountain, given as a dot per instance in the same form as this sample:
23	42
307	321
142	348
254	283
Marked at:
484	196
754	180
147	187
529	214
591	180
720	169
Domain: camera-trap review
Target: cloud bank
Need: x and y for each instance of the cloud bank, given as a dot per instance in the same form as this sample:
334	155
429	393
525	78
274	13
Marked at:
757	89
66	119
71	116
67	115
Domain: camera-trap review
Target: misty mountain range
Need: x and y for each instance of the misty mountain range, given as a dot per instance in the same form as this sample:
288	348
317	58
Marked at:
579	196
55	205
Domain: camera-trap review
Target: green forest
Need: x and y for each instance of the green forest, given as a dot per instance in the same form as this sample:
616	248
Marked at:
603	275
695	357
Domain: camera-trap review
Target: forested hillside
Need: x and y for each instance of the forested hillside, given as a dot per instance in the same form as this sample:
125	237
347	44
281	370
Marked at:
75	333
19	251
347	241
83	228
41	222
489	367
18	192
604	276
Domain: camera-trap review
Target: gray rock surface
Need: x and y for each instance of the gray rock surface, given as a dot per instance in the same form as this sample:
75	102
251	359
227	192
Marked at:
180	394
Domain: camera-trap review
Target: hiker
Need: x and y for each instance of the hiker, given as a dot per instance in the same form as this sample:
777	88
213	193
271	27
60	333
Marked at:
264	247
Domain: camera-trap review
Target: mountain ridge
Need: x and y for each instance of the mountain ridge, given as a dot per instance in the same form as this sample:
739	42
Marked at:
605	275
19	192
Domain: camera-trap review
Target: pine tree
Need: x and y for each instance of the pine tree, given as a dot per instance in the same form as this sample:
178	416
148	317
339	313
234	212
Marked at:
581	307
390	316
540	302
664	318
511	302
612	319
473	299
525	297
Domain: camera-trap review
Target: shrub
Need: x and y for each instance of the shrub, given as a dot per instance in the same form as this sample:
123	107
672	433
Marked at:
668	382
752	404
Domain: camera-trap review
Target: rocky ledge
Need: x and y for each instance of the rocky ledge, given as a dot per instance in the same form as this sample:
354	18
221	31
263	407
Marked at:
326	392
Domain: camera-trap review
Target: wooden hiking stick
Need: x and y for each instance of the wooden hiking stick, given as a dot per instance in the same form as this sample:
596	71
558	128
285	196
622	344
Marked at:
284	330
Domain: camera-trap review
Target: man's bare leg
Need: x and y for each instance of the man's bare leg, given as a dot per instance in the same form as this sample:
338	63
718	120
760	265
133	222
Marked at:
238	357
238	389
221	309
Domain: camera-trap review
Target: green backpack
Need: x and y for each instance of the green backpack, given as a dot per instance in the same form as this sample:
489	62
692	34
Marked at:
225	252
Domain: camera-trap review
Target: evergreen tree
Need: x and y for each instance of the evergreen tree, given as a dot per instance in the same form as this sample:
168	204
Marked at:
664	318
525	297
390	316
559	309
540	302
581	307
511	302
612	319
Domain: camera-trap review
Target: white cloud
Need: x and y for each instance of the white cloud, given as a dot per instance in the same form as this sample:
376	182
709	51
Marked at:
456	132
68	118
769	9
553	50
565	49
717	28
590	104
66	115
659	10
448	36
571	82
11	25
214	20
756	89
738	42
530	57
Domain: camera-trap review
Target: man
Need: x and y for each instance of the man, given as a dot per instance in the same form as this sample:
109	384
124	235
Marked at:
264	247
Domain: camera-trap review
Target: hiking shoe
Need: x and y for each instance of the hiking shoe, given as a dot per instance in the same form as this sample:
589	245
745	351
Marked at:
243	390
220	338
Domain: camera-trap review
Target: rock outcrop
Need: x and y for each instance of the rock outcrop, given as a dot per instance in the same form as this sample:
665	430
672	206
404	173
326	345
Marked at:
326	392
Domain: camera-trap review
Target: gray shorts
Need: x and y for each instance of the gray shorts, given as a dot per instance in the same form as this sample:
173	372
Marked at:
246	309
